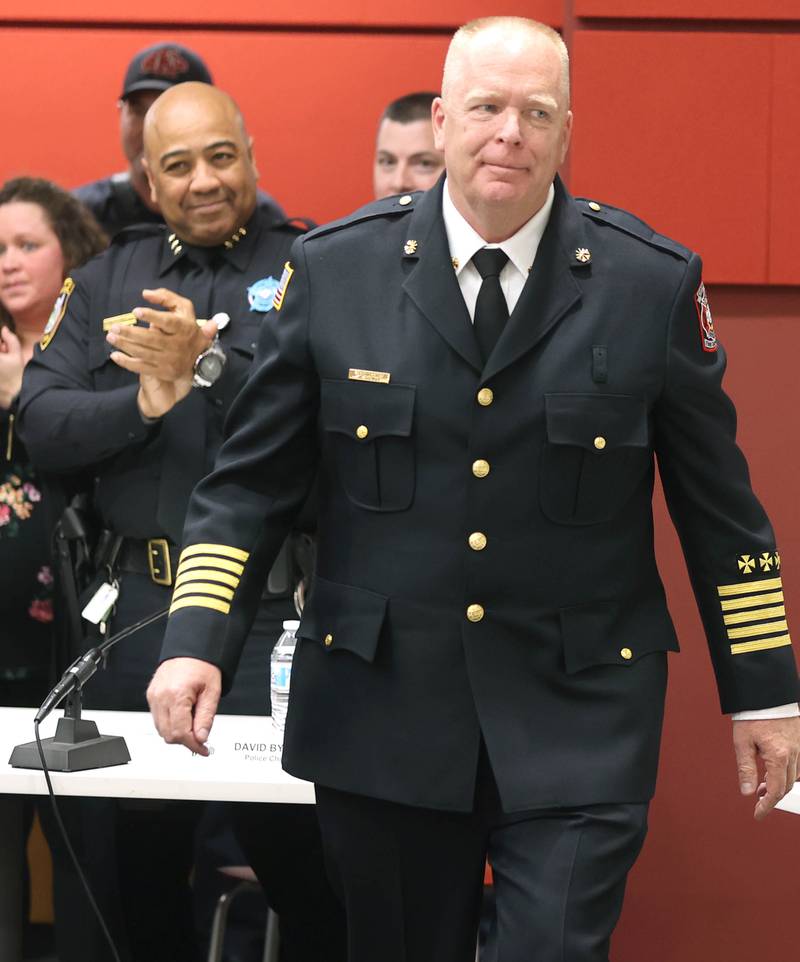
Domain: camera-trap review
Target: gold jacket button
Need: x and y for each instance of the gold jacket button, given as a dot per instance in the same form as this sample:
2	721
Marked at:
362	431
477	541
599	443
485	397
475	613
480	468
328	640
626	653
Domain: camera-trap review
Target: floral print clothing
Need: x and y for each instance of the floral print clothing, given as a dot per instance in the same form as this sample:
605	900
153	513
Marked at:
17	499
26	580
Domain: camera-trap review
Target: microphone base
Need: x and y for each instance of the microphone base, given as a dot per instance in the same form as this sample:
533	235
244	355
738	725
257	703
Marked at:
77	746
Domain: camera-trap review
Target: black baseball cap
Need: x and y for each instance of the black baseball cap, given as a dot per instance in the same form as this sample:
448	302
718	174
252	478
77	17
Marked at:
161	66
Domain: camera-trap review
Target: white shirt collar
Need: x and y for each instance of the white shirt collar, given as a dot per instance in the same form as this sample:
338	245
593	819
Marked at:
521	247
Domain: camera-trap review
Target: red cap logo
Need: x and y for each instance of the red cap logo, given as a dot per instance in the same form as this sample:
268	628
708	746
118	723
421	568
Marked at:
167	62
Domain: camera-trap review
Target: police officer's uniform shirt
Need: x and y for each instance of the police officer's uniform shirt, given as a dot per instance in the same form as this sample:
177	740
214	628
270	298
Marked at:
79	410
464	241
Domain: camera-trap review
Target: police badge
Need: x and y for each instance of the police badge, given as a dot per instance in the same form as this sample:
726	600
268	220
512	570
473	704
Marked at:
261	294
707	333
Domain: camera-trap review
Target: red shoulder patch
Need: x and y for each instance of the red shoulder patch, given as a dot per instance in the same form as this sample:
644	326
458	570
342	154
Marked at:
708	337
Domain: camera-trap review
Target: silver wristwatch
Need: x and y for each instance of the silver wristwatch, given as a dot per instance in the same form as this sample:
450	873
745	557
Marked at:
209	365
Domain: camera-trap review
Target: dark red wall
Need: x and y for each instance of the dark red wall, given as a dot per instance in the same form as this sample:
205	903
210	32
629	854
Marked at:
686	112
712	885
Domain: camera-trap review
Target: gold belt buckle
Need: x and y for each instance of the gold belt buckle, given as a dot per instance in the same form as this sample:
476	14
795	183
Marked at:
158	560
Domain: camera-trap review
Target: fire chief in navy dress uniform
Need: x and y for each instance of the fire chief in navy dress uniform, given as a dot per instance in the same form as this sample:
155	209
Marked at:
483	656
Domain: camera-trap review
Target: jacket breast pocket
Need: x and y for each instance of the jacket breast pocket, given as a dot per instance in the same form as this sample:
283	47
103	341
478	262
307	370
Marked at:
596	453
368	426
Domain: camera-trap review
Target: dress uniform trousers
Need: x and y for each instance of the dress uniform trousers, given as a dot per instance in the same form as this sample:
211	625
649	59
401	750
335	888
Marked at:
412	878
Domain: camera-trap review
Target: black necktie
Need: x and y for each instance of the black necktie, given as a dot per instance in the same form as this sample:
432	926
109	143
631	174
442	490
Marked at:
183	431
491	309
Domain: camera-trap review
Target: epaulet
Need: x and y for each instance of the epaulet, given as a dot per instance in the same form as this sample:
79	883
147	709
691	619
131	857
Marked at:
137	232
624	221
300	225
385	207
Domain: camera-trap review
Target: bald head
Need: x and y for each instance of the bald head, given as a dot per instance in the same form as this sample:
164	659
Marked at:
186	104
513	32
199	162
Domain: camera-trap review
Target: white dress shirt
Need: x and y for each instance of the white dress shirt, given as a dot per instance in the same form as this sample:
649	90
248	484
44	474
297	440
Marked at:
521	249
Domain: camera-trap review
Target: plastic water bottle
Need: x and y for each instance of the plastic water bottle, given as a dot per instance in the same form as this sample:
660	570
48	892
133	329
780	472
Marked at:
281	673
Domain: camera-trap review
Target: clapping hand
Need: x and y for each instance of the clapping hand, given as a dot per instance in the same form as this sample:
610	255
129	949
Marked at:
162	354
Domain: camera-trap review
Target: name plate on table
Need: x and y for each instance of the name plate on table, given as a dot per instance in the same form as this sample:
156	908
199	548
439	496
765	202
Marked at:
246	744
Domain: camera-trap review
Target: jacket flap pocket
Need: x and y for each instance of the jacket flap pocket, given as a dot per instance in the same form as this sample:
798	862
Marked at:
349	407
596	421
615	633
341	617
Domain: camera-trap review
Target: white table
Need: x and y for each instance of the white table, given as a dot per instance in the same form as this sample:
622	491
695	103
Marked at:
791	801
245	767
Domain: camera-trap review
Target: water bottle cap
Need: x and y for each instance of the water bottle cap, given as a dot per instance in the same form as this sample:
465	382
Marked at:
291	625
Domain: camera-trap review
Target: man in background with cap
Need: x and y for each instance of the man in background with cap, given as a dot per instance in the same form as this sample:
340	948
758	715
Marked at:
124	198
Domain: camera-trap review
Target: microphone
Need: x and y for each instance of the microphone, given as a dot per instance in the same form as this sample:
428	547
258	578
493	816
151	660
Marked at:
82	669
77	744
78	673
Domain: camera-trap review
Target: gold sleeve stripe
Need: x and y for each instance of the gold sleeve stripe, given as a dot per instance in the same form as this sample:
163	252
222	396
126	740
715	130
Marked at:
221	549
206	562
735	604
749	587
207	574
751	630
763	614
764	645
203	587
198	601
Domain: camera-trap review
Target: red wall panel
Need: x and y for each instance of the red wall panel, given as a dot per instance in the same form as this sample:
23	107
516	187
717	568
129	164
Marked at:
419	13
711	883
691	9
784	264
311	102
675	127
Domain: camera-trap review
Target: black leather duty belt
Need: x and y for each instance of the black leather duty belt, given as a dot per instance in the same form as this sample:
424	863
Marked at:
155	557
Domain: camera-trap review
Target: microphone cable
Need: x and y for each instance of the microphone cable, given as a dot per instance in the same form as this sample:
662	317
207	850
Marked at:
101	650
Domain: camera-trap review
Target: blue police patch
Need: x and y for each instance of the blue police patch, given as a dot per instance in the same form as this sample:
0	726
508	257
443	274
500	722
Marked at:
261	294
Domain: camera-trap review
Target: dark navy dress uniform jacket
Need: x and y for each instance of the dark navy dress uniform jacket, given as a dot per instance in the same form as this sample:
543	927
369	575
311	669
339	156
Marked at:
552	640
